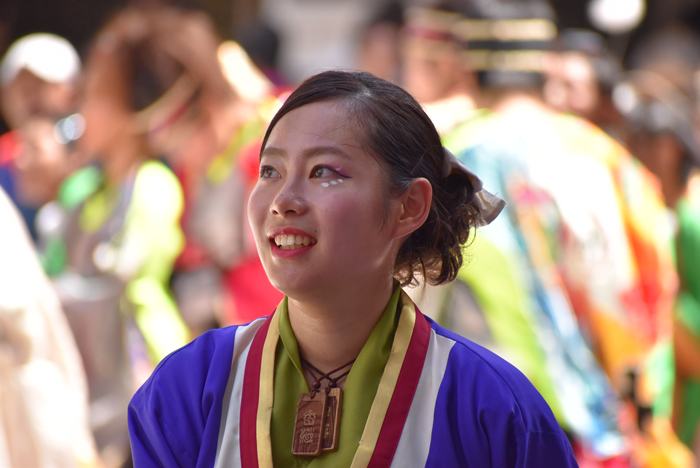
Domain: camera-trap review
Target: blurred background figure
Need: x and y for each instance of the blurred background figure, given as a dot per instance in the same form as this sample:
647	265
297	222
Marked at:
662	121
148	244
114	232
207	126
580	75
562	278
38	80
434	70
509	300
606	264
262	43
43	392
317	35
379	43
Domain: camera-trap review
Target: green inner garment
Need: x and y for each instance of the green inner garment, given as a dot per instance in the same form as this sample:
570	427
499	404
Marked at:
358	394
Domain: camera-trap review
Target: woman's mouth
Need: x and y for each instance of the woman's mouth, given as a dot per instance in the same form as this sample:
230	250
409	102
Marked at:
293	241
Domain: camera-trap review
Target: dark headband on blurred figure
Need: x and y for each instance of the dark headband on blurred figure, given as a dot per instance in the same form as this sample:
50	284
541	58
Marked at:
433	24
172	105
504	40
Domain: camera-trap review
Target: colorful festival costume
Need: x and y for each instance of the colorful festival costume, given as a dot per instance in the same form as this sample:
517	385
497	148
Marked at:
417	395
518	288
585	277
110	253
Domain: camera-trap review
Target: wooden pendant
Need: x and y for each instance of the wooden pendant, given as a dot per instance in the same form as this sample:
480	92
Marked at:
331	423
308	427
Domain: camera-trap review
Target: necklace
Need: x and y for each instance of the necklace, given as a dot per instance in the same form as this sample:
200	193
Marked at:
317	422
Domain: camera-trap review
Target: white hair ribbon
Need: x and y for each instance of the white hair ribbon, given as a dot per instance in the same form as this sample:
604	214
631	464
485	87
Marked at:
489	204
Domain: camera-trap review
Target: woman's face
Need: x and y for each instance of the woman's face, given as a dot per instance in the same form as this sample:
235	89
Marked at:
319	209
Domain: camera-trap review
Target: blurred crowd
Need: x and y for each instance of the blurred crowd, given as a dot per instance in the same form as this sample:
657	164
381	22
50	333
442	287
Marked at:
126	168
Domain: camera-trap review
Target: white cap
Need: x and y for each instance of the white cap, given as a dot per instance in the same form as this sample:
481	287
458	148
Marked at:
49	57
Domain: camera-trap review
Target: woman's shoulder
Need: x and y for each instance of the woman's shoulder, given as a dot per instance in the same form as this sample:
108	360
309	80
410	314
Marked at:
494	409
204	358
496	383
198	371
176	414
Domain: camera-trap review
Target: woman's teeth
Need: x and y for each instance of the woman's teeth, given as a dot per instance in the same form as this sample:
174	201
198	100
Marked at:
291	241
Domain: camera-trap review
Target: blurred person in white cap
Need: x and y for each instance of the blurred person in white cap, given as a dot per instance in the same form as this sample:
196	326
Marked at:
38	78
38	75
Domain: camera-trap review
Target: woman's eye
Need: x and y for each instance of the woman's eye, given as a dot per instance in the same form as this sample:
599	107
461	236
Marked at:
319	172
268	172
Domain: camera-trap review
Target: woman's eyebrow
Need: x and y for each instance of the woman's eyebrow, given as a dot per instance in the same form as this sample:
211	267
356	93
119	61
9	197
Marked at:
308	152
320	150
272	151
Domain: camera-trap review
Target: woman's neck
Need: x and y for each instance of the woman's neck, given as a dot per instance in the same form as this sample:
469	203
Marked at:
332	328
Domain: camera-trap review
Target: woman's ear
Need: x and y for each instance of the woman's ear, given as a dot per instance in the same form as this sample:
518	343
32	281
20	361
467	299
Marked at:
414	207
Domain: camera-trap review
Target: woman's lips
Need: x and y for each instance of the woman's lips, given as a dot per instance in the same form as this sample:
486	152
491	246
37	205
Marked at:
290	241
293	241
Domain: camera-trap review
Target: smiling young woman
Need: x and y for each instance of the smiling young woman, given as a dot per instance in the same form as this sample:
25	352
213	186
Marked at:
356	197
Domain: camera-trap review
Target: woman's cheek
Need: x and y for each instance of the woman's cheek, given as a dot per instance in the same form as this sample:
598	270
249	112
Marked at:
256	211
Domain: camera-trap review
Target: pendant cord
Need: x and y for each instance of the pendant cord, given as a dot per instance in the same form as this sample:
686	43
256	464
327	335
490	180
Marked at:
332	381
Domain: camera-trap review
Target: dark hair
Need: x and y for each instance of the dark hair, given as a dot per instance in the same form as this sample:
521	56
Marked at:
662	111
607	68
405	142
134	39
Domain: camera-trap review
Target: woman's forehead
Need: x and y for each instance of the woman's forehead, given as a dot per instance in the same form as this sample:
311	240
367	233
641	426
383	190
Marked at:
319	123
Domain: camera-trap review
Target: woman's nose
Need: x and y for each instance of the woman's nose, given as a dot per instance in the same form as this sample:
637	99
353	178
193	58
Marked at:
289	201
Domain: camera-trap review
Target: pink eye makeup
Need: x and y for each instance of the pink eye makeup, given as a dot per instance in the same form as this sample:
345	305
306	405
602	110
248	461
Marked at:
325	171
341	173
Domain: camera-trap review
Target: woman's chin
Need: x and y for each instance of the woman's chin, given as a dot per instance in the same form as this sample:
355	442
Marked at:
299	286
290	286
